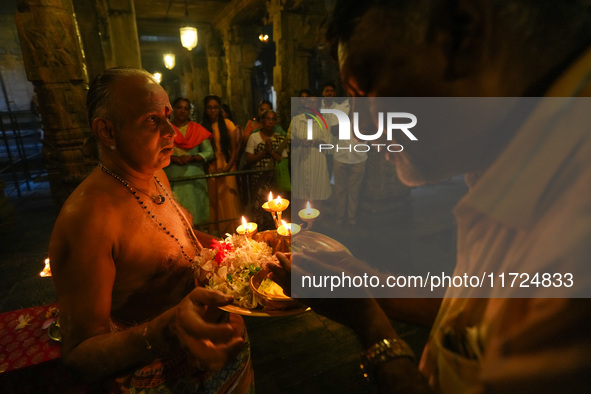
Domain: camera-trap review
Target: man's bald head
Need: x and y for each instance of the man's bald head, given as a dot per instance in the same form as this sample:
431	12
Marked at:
101	101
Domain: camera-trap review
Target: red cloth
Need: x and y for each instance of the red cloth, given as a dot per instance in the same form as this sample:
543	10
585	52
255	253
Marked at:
29	345
196	134
30	362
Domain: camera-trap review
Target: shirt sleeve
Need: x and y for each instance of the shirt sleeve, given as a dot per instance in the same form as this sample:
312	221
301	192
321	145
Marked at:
251	143
206	150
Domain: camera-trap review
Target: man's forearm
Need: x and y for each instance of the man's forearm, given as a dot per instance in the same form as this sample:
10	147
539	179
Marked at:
108	355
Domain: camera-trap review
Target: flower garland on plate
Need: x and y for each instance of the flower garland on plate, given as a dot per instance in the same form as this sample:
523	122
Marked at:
229	265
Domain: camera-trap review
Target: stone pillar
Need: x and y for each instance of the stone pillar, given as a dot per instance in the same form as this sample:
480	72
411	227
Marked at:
124	39
215	64
240	44
92	17
194	81
188	76
109	34
200	80
53	61
295	34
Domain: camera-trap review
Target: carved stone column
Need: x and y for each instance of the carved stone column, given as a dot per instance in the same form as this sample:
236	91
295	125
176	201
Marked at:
215	64
109	34
188	77
53	61
200	79
124	39
240	46
295	34
194	79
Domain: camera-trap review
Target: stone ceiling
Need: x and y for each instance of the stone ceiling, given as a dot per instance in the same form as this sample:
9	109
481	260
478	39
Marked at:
164	17
158	22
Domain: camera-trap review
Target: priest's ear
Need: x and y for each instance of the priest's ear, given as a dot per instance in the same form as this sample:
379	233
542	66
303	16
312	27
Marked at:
104	131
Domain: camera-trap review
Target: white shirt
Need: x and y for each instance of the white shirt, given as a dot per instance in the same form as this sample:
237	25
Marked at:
530	212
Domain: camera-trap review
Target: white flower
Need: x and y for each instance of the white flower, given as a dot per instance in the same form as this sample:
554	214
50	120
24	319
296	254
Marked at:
231	274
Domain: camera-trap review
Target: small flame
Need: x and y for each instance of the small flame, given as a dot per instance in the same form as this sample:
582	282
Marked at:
278	201
308	208
270	196
244	222
46	269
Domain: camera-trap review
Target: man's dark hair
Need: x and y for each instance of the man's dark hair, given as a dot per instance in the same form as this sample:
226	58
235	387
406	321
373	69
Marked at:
329	83
179	99
100	102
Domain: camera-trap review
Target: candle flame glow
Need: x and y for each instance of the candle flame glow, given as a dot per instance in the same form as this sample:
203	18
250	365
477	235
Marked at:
308	208
46	270
244	222
270	196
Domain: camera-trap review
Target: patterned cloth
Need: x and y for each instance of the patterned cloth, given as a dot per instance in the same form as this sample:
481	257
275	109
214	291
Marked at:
23	338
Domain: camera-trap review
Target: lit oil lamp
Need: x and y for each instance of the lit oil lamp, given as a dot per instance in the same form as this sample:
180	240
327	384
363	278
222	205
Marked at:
308	215
266	205
246	228
268	209
278	205
288	229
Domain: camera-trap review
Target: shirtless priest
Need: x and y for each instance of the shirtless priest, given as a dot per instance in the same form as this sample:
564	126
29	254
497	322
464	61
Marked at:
121	254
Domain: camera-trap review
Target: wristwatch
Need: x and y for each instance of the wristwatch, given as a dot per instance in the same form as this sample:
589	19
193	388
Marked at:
384	350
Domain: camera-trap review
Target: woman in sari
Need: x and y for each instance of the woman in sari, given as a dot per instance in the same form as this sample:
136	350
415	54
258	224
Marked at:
192	149
224	199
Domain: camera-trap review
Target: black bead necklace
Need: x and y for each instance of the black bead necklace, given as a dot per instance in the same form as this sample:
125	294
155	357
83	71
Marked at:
159	199
188	227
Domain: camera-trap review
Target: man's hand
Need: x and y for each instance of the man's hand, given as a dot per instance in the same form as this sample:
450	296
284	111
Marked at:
211	345
363	315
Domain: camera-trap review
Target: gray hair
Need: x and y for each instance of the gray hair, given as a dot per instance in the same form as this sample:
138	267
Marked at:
100	101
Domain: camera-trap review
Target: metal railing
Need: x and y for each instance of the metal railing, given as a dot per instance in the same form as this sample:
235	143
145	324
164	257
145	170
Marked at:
218	175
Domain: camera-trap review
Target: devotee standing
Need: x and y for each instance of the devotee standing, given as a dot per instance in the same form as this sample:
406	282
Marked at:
310	179
225	207
121	253
255	124
265	148
192	149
